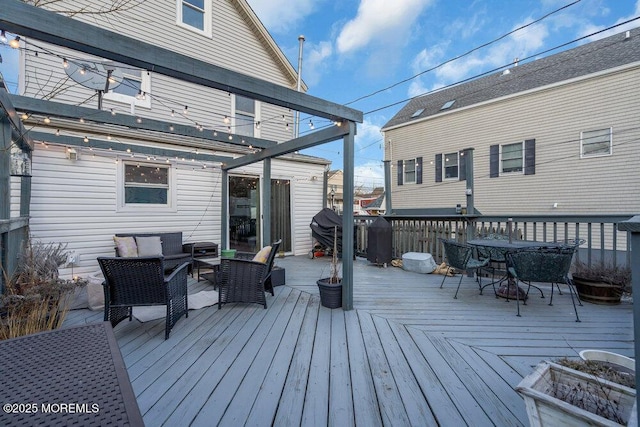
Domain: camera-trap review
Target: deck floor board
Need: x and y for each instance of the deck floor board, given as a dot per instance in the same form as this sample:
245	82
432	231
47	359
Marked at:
408	354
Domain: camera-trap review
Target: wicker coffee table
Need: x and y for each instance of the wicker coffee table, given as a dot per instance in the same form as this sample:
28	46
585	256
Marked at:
72	376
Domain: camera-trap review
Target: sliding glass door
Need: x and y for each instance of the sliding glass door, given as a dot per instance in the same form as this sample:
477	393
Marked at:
244	213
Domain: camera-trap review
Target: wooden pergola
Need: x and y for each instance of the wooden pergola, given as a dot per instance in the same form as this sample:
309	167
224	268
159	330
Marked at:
29	21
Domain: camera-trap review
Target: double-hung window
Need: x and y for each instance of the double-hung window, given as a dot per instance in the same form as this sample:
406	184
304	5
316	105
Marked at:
596	143
146	184
512	158
410	171
133	88
195	15
450	165
246	116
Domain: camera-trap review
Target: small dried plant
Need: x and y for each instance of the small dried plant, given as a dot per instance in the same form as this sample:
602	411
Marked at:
334	275
593	396
35	298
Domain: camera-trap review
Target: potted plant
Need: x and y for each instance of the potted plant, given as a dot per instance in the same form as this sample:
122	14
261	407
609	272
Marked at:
331	287
576	393
601	282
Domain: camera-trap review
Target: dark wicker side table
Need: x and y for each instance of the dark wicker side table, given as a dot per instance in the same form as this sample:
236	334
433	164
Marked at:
72	376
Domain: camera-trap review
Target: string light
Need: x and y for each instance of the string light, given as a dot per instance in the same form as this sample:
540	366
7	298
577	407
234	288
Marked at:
86	139
113	112
226	120
15	43
24	116
173	113
57	132
139	119
171	128
81	120
47	120
311	125
186	110
65	63
3	36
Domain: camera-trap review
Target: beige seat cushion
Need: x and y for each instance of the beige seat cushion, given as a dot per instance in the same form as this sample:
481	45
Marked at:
263	255
126	246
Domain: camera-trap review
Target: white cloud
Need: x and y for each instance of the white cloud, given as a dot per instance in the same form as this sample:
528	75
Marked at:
369	175
279	15
379	20
315	61
588	29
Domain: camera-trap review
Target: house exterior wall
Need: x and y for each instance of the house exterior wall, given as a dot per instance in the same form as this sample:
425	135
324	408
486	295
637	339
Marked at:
554	116
76	202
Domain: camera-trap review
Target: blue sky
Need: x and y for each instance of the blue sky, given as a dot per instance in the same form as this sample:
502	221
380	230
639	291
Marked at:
355	48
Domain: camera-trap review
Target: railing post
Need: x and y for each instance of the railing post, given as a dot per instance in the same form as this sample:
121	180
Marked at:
632	227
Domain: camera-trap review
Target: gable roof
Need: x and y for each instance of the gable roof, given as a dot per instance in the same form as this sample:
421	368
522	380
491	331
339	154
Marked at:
590	58
265	37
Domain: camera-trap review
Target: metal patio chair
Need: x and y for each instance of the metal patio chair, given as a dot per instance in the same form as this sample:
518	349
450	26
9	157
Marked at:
140	281
542	265
460	257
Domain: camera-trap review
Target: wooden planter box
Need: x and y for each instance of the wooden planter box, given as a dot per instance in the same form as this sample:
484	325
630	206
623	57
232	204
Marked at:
540	388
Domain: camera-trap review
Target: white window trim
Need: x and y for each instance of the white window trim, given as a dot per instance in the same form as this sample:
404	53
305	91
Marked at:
589	156
208	19
145	86
404	171
520	172
256	118
444	167
121	206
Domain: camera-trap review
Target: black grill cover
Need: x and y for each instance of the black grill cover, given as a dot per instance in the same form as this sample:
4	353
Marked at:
322	227
379	242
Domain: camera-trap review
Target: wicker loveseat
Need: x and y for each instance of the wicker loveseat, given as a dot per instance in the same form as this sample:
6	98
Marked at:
171	248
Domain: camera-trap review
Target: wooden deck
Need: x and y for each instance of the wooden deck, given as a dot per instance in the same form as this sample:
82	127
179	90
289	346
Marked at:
408	354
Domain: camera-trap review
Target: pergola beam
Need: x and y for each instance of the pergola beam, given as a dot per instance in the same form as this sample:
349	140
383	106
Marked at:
30	21
58	109
74	141
311	140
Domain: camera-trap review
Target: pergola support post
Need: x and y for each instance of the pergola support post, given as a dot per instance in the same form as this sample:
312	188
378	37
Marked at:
224	211
347	218
266	198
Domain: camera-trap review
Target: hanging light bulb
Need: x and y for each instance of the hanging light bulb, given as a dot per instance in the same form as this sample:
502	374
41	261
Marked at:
173	113
226	120
113	112
311	126
109	138
65	63
257	125
81	120
186	110
3	36
15	43
171	128
24	116
47	120
139	119
57	132
83	71
215	133
86	139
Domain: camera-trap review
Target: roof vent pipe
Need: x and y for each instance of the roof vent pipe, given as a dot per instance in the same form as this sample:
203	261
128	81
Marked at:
627	35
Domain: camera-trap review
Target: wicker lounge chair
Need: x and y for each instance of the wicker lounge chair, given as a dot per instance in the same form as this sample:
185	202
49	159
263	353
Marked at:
241	279
140	281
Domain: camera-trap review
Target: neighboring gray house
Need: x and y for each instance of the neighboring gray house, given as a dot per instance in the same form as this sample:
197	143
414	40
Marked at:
126	180
558	135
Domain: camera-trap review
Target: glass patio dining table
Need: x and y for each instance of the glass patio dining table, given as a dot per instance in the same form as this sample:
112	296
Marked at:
507	288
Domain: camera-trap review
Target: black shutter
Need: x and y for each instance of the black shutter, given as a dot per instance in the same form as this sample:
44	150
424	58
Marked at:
418	170
400	172
438	167
494	161
530	157
462	165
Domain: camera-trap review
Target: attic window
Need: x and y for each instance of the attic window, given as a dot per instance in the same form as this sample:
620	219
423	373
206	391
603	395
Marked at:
417	113
448	104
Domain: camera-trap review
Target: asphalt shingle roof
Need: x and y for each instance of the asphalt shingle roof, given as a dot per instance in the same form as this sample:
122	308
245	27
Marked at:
600	55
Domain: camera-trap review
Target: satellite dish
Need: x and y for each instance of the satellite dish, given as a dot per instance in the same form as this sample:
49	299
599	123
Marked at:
94	74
